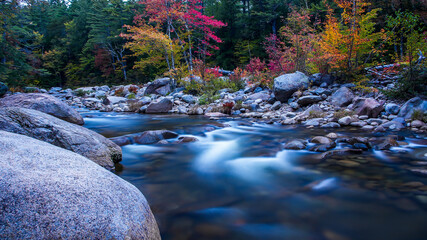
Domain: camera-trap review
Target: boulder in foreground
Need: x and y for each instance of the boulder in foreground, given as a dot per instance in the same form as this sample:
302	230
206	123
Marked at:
49	129
48	192
43	103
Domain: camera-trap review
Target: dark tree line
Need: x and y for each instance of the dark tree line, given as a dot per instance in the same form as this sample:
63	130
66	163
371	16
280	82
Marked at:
74	43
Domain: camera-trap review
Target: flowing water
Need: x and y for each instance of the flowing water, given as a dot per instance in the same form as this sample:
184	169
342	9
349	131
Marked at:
237	182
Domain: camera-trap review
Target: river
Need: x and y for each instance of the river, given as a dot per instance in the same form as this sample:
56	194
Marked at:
237	181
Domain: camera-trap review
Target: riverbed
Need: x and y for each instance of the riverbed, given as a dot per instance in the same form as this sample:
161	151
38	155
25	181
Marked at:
237	181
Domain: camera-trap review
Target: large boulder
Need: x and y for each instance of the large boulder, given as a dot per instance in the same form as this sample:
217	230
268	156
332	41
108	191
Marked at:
342	97
43	103
49	129
285	85
48	192
414	104
161	86
162	106
367	106
3	89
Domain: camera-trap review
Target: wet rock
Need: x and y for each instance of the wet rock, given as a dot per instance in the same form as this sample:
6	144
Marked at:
187	139
358	124
51	193
367	106
368	127
387	144
3	89
348	163
63	134
392	108
345	121
307	100
159	86
324	144
322	147
321	140
122	140
163	106
342	97
285	85
332	136
43	103
150	137
360	146
393	125
331	125
417	124
295	145
411	105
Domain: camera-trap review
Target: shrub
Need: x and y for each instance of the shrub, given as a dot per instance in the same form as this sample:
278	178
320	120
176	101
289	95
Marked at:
343	113
131	96
316	114
419	115
119	92
412	83
133	89
81	93
227	107
238	78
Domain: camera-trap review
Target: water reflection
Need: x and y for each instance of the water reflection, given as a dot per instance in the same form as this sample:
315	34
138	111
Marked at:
237	182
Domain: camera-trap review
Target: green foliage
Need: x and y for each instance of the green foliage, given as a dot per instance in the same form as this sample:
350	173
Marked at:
80	93
412	83
131	96
316	114
343	113
419	115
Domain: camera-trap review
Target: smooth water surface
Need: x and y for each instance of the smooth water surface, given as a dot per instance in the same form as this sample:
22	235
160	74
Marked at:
237	182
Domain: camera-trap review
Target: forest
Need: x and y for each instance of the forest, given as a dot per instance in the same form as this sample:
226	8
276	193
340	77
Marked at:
47	43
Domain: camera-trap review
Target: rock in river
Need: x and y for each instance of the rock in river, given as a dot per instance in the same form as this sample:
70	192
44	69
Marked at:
49	129
43	103
163	106
48	192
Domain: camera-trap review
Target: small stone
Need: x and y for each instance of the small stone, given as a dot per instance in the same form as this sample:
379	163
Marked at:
295	145
332	135
345	120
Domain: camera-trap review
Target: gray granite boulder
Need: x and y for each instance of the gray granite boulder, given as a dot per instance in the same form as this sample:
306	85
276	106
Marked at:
162	106
342	97
285	85
63	134
367	106
161	86
47	192
411	105
43	103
